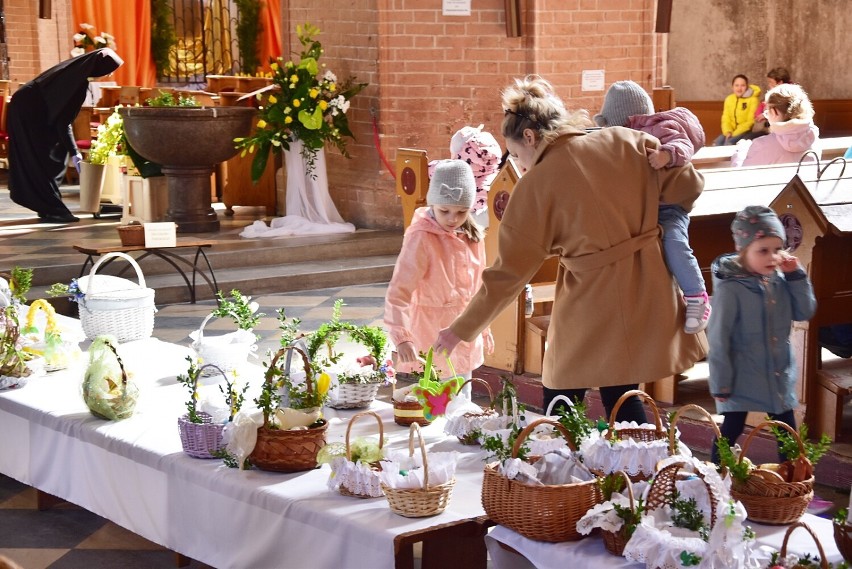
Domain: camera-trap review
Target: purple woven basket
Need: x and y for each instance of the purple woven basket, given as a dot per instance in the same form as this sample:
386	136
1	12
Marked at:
200	440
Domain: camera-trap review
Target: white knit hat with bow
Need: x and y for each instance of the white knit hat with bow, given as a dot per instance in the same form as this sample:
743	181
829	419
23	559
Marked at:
452	184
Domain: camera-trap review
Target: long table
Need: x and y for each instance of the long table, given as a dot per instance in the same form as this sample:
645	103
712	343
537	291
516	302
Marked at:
134	473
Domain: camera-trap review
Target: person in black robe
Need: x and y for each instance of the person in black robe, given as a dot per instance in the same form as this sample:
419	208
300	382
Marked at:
39	124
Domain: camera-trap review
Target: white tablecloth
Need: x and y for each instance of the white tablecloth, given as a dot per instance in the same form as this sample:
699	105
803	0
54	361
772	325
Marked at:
590	552
134	473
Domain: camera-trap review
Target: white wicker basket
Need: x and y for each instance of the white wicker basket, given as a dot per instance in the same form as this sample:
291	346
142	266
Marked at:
227	352
115	306
353	395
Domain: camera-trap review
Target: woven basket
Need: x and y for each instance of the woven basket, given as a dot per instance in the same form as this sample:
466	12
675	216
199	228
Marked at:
774	503
354	395
843	539
407	413
200	440
543	513
614	541
115	306
823	561
109	407
673	442
132	235
343	489
290	450
472	422
419	502
225	357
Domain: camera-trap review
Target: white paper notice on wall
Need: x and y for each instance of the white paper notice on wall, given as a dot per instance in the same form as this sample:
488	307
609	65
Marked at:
593	80
456	8
162	234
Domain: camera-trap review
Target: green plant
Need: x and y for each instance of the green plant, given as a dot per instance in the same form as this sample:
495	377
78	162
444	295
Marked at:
739	469
13	359
110	140
248	31
289	328
304	106
163	36
789	446
576	422
190	381
277	376
502	450
168	99
841	516
686	514
238	308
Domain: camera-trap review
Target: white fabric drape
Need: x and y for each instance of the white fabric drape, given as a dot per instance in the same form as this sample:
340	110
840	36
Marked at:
310	210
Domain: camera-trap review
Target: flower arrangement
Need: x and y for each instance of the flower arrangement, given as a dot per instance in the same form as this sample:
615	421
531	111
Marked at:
233	397
72	290
110	140
301	104
13	358
238	308
87	39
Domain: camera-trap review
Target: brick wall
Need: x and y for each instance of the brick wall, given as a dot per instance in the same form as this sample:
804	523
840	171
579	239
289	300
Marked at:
34	44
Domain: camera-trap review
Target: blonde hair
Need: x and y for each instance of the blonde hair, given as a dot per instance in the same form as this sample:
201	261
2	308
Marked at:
471	229
532	103
790	101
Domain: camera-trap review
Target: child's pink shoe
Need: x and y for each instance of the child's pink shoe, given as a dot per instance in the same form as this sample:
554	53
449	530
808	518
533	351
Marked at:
697	313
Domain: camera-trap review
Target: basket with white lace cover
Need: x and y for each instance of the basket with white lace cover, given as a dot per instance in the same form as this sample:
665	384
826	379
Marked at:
661	542
226	352
465	418
635	449
352	476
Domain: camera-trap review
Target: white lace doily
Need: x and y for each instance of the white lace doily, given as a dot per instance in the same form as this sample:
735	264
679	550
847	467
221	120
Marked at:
462	425
357	477
629	455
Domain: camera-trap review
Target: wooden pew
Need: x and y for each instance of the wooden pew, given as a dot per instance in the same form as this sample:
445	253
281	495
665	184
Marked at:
412	181
720	156
819	209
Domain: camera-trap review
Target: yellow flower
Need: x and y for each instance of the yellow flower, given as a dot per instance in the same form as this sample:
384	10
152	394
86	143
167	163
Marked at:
261	123
314	93
297	103
332	87
294	78
288	120
323	383
323	105
272	99
273	66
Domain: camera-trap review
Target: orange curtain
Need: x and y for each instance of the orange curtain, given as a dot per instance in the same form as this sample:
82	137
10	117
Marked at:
270	37
130	22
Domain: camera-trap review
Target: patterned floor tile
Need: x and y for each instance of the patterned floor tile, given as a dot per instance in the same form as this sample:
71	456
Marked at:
33	558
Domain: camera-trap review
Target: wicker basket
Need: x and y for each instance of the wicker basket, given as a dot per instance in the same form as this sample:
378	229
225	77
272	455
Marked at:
843	539
614	541
115	306
419	502
132	235
291	450
109	407
639	435
823	561
225	357
342	488
673	442
200	440
774	503
471	423
543	513
354	395
407	413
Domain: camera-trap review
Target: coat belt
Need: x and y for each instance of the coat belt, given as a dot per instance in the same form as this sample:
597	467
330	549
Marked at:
599	259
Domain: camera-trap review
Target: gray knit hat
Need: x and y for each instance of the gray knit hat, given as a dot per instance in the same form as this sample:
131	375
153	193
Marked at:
452	183
756	222
623	100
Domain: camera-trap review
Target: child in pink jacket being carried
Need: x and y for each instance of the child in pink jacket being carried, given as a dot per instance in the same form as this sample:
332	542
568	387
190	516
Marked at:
437	273
680	134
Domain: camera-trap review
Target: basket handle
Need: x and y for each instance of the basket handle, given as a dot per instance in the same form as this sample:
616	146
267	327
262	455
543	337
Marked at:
525	432
109	344
552	404
49	312
781	424
644	397
415	428
203	324
629	488
816	158
823	561
824	168
103	259
689	407
667	475
353	420
269	375
480	381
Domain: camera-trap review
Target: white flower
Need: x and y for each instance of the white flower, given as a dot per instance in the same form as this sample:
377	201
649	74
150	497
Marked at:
79	37
87	27
77	51
329	76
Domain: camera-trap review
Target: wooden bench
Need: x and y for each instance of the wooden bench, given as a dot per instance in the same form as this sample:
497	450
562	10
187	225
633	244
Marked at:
167	254
833	387
720	156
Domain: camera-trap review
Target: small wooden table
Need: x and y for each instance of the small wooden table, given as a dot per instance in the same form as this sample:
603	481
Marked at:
167	254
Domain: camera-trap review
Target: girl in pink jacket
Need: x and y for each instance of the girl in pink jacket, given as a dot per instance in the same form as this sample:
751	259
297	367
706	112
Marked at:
792	131
437	273
680	134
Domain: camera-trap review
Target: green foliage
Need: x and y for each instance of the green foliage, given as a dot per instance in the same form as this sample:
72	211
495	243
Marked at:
686	514
233	397
190	381
610	484
576	422
110	140
239	309
630	516
501	450
167	99
13	360
163	36
229	459
289	328
789	446
688	559
739	470
840	517
20	283
249	29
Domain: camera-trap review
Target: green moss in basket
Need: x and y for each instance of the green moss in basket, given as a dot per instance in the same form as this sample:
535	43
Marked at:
576	422
238	308
789	446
